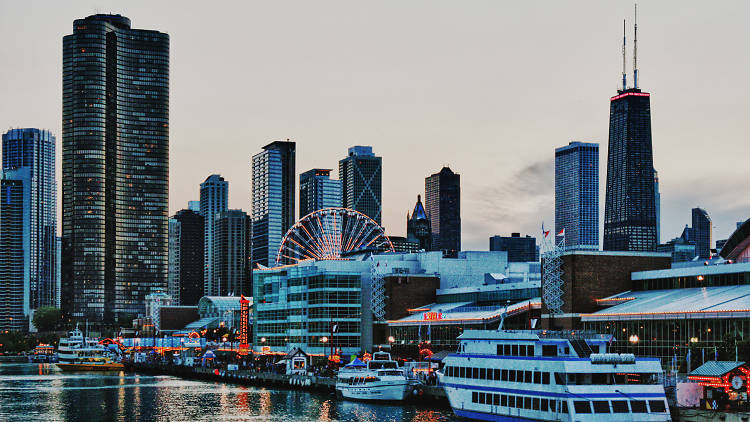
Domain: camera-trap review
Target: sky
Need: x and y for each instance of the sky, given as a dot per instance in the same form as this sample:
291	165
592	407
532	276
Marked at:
489	88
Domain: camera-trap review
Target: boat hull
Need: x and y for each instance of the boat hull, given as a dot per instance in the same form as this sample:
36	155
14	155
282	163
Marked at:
392	392
91	367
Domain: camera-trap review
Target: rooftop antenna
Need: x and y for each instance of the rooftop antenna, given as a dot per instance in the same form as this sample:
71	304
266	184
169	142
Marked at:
624	74
635	50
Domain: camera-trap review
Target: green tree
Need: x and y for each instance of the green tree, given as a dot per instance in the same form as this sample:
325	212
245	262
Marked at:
47	318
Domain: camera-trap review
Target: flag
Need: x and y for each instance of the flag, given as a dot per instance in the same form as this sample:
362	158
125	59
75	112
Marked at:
545	232
335	328
561	232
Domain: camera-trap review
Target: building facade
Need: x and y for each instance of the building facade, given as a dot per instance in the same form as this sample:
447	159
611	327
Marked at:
317	191
418	228
577	194
187	257
232	246
273	199
442	196
35	149
361	175
15	250
214	199
520	249
115	167
630	201
702	232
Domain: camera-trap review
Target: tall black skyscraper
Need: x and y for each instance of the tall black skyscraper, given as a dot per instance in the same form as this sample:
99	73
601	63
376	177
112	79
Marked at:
115	167
630	203
702	232
232	251
361	175
186	273
442	197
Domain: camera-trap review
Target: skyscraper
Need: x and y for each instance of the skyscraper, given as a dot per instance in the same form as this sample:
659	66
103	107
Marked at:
418	228
34	149
577	194
214	199
273	199
630	203
657	200
361	175
15	256
520	249
317	191
115	167
232	246
186	257
702	232
442	197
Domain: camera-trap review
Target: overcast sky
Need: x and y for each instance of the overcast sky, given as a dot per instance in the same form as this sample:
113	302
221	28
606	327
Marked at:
487	87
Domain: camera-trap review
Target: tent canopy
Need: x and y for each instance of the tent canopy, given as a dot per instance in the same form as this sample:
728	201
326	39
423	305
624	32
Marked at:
356	363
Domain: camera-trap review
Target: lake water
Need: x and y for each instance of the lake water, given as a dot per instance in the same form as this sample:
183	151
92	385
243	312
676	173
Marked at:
41	392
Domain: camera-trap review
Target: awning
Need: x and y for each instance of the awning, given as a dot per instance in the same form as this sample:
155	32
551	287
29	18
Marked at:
716	368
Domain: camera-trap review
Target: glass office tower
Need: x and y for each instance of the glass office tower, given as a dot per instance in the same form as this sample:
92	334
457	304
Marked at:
317	191
273	193
15	249
214	200
34	149
630	203
702	232
361	175
442	199
232	246
115	167
577	194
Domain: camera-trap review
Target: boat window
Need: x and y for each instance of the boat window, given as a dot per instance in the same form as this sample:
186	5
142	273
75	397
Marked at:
511	401
564	407
638	406
474	397
599	379
462	372
475	373
549	350
514	350
511	375
620	406
449	371
544	405
496	399
559	378
582	406
504	400
657	406
567	350
504	375
527	376
535	403
390	372
481	398
506	349
527	402
482	373
497	374
601	406
545	377
537	377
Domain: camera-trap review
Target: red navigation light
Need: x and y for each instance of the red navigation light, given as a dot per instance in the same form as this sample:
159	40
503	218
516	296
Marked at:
628	94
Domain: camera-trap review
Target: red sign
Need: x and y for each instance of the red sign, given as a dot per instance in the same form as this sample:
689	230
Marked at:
432	316
244	319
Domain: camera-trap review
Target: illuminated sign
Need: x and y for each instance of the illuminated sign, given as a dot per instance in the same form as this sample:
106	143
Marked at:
244	317
432	316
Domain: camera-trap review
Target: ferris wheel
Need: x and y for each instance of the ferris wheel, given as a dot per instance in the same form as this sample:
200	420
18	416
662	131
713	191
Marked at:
332	233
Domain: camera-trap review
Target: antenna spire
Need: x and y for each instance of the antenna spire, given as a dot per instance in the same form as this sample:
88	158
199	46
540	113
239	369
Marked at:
624	74
635	49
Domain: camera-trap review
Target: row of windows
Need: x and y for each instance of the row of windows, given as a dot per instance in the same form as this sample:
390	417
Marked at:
510	375
519	402
580	406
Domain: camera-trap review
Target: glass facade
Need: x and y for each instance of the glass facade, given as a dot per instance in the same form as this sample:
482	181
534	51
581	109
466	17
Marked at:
317	191
188	239
361	175
442	199
273	199
520	249
214	199
15	251
702	232
115	167
232	249
577	194
34	149
630	203
297	306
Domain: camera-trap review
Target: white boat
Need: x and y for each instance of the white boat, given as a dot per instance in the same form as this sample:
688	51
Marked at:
550	376
80	353
379	379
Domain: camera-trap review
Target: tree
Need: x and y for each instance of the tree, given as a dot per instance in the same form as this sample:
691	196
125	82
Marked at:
47	318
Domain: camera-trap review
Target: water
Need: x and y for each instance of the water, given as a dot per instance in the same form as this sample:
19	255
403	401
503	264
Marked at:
31	392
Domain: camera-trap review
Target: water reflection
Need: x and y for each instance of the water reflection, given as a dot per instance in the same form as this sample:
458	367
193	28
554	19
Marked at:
37	392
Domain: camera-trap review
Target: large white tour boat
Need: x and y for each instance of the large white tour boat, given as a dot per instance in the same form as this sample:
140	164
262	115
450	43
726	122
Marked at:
378	379
80	353
550	376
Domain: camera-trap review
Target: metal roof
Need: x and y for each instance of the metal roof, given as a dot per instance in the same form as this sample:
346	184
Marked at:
716	368
700	302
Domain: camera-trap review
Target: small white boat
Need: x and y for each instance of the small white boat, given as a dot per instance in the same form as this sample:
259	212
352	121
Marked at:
379	379
80	353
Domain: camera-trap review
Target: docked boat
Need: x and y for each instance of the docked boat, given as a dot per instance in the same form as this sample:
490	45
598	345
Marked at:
379	379
80	353
550	376
43	353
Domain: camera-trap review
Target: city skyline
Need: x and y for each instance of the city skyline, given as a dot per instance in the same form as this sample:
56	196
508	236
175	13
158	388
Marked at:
410	125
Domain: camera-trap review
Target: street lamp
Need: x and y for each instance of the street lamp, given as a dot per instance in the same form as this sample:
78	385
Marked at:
693	339
633	339
391	339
